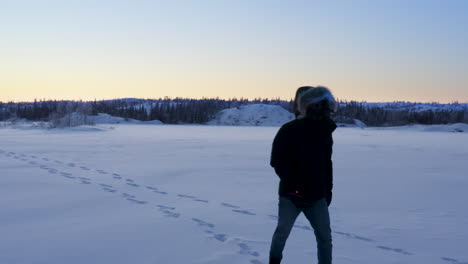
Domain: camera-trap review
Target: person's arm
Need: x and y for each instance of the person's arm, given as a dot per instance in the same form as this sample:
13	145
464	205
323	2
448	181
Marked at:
329	167
329	182
281	154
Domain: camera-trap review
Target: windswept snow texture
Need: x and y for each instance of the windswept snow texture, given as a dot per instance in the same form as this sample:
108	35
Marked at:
253	115
206	194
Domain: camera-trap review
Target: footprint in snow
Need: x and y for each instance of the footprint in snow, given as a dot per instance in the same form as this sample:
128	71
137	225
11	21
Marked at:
67	175
136	201
201	201
304	227
397	250
46	159
102	172
168	211
84	168
245	212
52	171
116	176
133	184
203	223
131	198
164	207
160	192
220	237
246	250
84	178
273	217
230	205
349	235
71	164
452	260
109	190
186	196
449	259
126	195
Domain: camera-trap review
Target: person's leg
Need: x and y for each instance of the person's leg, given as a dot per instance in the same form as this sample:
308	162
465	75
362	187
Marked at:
319	219
287	214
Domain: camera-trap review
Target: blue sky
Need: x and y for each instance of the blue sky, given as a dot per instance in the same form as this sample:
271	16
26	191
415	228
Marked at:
362	50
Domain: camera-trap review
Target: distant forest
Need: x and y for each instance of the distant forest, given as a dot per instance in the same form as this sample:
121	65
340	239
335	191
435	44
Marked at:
188	111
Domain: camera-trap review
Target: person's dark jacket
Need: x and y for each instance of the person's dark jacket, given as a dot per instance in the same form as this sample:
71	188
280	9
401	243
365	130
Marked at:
301	156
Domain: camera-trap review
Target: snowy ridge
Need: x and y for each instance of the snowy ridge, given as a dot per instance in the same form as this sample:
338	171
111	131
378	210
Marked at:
253	115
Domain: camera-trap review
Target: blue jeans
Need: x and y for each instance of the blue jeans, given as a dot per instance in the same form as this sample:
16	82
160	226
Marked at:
319	219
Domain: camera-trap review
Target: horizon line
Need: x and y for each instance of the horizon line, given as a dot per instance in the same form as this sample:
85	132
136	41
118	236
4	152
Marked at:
219	98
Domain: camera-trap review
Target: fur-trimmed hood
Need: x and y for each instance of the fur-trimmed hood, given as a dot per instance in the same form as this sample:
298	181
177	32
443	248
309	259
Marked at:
314	95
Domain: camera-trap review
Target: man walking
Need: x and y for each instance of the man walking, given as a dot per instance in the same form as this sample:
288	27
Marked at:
301	157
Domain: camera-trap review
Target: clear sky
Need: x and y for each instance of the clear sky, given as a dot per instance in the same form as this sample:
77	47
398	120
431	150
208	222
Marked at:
374	50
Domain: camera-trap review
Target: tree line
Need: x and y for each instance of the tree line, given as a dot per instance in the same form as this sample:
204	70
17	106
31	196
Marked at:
402	113
167	110
188	111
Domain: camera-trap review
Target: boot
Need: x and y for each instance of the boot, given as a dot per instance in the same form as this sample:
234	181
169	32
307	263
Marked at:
275	261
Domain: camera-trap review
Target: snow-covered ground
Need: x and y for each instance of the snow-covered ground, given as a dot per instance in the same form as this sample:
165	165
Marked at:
205	194
253	115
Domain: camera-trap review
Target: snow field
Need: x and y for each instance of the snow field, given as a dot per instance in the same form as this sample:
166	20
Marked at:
206	194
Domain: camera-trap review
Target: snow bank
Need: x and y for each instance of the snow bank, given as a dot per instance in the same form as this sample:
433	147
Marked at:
253	115
23	124
359	123
457	128
108	119
75	121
